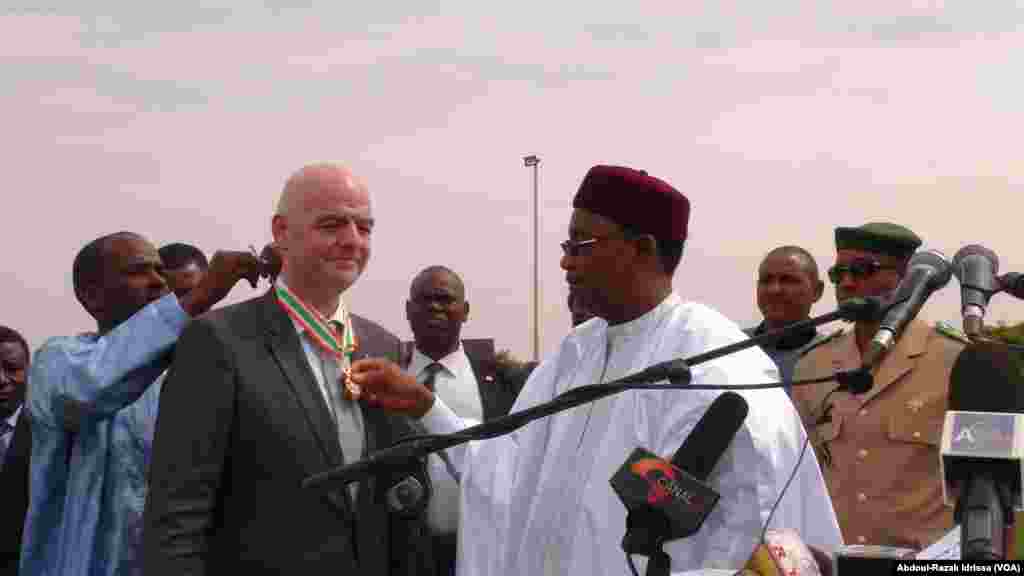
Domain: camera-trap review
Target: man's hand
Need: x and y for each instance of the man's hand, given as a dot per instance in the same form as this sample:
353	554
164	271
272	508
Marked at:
384	384
506	357
226	269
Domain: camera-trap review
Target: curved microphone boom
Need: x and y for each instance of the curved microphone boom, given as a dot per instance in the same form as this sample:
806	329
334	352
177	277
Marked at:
1013	284
927	271
975	268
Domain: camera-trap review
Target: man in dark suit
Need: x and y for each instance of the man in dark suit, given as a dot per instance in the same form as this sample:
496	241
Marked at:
15	446
466	373
14	483
230	455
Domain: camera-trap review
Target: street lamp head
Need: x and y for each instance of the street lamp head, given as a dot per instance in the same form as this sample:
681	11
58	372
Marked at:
531	160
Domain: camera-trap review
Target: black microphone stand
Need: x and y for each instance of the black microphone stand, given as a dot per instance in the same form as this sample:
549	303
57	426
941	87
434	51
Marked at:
983	510
676	371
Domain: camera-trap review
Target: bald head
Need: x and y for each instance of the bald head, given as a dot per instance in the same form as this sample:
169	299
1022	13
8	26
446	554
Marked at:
800	256
314	177
787	285
445	274
436	311
322	231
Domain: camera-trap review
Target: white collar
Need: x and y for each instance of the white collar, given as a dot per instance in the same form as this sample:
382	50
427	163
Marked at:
12	420
645	323
454	363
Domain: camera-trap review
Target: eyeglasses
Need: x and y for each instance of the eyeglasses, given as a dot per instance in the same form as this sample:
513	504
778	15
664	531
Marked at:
859	269
574	247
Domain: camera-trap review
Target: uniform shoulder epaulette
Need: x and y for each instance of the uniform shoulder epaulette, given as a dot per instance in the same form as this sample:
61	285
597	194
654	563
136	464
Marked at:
951	333
822	341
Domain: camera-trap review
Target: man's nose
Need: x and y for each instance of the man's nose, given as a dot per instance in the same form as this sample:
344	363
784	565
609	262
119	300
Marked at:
847	281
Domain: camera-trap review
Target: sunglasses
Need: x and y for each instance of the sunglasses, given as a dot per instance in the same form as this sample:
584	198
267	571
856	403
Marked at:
859	269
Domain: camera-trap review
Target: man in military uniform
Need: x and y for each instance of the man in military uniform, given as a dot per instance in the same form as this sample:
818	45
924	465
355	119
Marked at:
880	450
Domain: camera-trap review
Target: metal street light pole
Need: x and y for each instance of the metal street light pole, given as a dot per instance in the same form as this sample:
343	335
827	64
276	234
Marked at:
534	161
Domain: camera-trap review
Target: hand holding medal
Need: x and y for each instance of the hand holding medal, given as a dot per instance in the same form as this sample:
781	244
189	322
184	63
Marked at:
352	390
382	383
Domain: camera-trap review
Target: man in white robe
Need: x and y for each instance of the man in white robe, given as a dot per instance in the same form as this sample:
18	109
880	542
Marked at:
538	501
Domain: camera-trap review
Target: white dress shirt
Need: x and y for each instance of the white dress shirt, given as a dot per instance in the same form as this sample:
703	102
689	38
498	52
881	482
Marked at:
456	385
346	413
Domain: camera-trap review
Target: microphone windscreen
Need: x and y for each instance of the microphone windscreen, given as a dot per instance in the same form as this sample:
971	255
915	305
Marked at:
973	250
712	435
987	377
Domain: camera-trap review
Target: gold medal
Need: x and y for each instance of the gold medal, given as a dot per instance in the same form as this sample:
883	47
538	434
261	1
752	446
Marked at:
352	390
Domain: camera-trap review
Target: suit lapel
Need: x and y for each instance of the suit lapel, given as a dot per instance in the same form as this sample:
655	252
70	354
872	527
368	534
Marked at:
484	372
286	349
900	360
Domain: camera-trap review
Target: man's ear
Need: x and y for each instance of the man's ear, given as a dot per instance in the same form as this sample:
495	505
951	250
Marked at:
92	298
465	315
819	289
279	229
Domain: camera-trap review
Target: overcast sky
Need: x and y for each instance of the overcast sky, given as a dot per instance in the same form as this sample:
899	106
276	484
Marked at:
779	120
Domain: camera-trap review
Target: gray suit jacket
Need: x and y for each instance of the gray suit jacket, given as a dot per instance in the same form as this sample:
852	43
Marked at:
241	424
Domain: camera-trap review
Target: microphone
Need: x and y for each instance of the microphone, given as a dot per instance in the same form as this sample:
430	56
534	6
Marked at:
927	271
975	268
670	500
981	450
408	497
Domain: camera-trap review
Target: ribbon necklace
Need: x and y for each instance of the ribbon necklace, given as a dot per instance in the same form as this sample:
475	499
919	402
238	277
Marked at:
323	332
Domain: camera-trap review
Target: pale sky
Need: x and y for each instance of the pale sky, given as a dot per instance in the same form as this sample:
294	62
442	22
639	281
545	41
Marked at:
779	120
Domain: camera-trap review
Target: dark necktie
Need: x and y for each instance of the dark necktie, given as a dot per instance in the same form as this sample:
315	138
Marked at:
432	369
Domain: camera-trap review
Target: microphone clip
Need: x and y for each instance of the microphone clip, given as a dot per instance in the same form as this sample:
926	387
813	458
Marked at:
646	533
855	382
866	309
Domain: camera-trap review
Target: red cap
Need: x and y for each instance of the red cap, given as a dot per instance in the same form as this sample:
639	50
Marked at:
633	199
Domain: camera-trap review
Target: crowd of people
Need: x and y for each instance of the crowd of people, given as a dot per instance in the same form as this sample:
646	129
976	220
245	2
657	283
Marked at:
175	438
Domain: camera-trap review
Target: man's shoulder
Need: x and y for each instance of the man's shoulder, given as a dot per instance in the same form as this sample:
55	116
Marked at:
366	328
60	344
946	342
951	336
820	349
374	340
251	312
825	339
